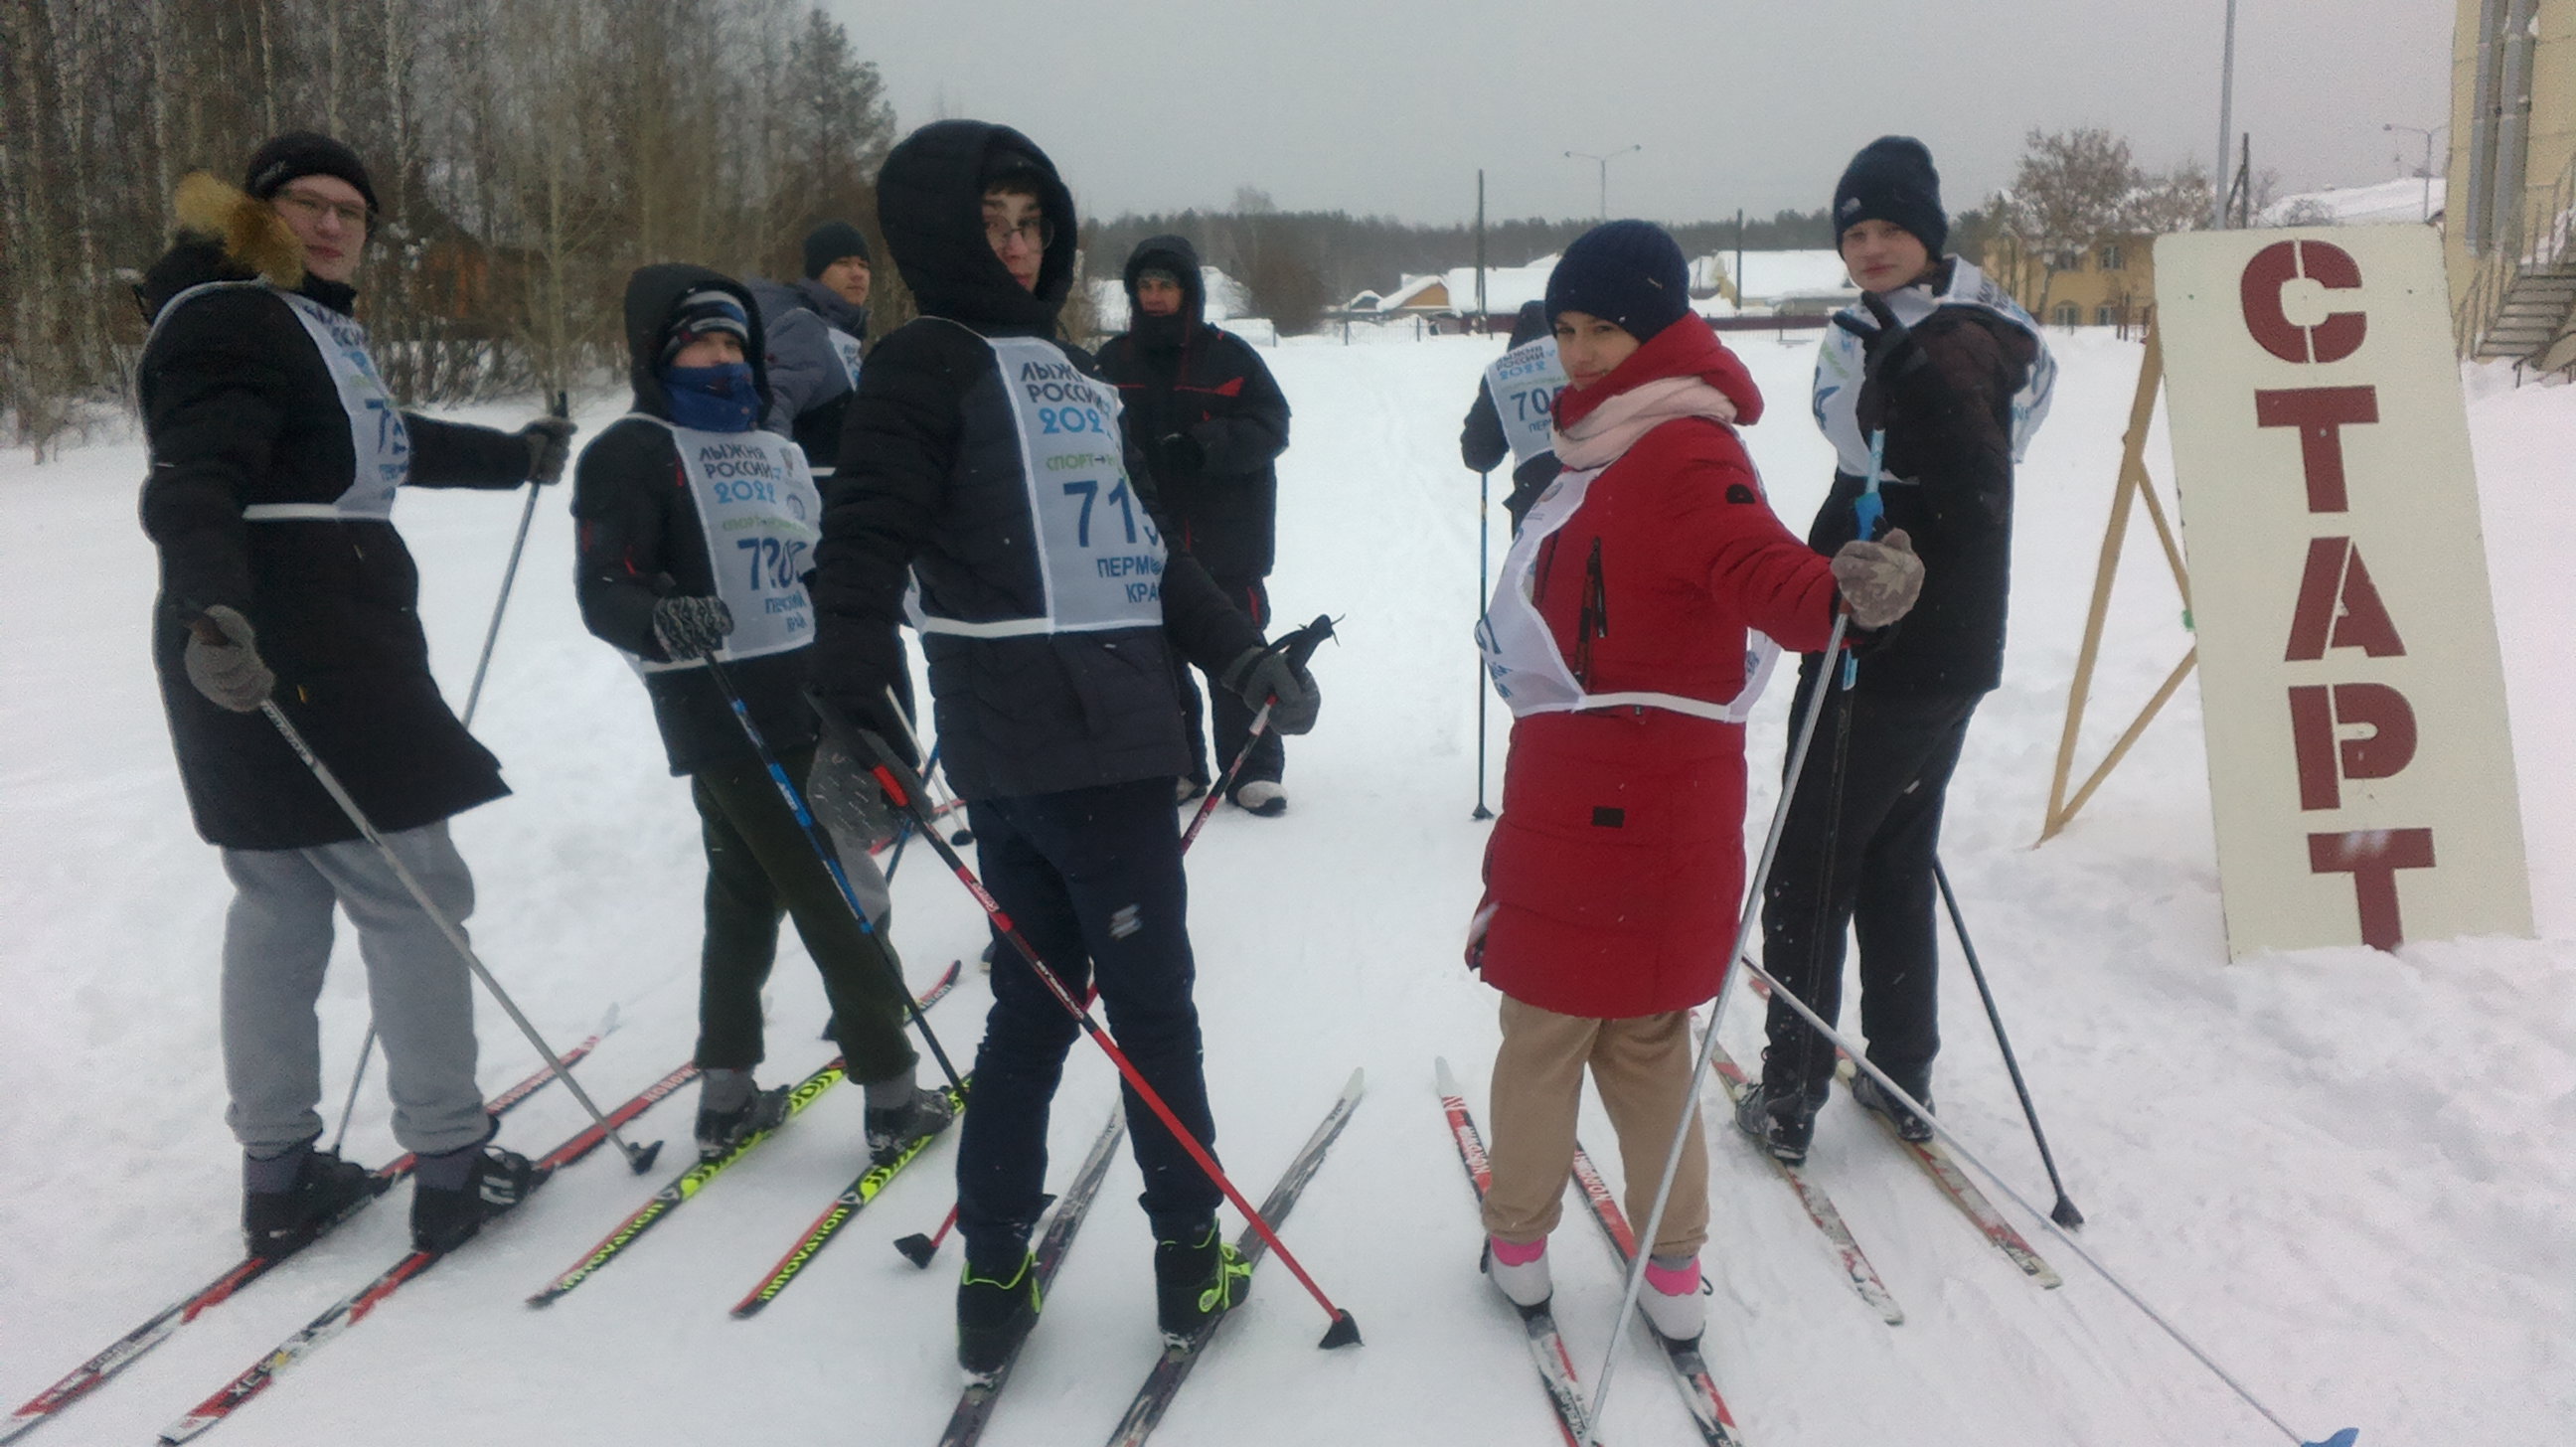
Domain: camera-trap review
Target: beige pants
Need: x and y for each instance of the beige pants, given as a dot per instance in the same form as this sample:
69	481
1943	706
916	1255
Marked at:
1642	1069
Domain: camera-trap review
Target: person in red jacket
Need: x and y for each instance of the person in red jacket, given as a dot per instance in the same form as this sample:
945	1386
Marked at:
1620	635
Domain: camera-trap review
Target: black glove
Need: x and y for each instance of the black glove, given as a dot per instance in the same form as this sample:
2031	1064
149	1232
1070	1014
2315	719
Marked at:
1261	675
223	660
1176	453
688	627
847	800
549	442
1889	355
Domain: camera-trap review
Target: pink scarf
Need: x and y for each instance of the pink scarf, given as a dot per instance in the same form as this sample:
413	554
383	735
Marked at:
1609	430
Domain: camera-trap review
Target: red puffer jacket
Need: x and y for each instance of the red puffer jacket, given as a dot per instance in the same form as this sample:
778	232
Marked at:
1614	875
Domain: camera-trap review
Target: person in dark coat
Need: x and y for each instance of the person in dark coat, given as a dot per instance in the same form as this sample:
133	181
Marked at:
1957	377
1484	442
1050	608
687	467
276	454
1212	424
817	329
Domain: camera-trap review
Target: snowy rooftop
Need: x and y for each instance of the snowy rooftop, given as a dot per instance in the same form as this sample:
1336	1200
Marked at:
1770	276
2381	203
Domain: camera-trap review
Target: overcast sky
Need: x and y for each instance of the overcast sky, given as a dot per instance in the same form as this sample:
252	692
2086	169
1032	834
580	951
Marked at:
1390	106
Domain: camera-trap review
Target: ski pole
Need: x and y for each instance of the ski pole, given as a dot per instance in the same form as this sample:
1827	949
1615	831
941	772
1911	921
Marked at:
473	695
2064	1212
639	1158
831	862
903	836
918	1249
903	786
1717	1012
1859	1058
1300	644
929	764
1484	542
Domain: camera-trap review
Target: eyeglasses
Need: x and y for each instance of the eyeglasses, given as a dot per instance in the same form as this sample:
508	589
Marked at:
312	208
1036	231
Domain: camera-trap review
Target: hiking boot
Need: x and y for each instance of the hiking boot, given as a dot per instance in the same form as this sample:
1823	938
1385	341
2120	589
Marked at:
1909	1126
491	1182
994	1315
1783	1119
1674	1299
1262	798
1196	1280
1520	1271
894	1127
316	1190
731	1110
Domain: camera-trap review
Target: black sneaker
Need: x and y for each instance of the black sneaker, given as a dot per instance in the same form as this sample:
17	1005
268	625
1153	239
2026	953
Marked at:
1784	1121
994	1316
1262	799
1187	790
443	1220
1195	1282
1909	1126
720	1132
891	1129
277	1224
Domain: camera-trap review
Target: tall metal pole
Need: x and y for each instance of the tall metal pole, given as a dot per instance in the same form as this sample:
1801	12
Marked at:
2226	121
1483	317
2427	172
1603	162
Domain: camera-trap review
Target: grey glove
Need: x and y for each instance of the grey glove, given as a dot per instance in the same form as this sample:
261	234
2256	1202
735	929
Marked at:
847	800
223	660
688	627
1259	676
549	442
1880	580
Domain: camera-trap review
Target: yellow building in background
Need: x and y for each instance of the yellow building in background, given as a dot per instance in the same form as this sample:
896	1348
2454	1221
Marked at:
2509	233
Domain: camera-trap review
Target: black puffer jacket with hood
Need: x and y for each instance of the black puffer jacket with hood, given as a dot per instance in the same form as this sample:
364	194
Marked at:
1484	446
931	483
1184	379
641	537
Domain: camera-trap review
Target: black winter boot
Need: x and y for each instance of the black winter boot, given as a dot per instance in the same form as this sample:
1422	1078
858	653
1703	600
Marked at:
322	1191
894	1127
1782	1116
444	1217
1909	1126
995	1312
731	1109
1196	1280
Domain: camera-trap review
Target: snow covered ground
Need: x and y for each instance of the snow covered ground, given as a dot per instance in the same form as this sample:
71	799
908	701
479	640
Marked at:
2348	1174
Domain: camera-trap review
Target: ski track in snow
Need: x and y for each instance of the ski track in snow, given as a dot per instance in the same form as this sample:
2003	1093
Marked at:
2347	1174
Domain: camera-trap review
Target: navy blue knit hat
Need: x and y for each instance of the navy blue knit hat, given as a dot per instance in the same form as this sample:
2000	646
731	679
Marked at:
1625	272
830	242
707	310
281	159
1892	180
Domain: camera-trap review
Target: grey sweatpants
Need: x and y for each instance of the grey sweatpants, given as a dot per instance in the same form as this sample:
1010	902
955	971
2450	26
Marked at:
277	942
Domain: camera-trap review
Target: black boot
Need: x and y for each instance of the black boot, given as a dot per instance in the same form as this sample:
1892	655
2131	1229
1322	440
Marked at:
1196	1280
895	1127
1909	1126
445	1217
994	1314
731	1110
1782	1116
322	1191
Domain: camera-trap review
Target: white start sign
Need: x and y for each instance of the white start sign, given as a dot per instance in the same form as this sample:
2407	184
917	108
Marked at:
2353	694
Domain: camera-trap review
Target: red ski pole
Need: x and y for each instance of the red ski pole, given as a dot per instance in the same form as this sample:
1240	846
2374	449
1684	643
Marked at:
1300	646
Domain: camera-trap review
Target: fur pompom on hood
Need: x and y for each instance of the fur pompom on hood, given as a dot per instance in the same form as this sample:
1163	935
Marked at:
254	237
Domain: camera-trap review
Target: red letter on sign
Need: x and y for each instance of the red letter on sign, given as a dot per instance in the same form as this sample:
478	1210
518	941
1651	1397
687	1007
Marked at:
2339	607
2317	412
2324	761
2258	290
2372	857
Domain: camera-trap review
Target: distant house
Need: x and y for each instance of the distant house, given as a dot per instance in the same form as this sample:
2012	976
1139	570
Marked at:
2111	283
1446	300
1805	283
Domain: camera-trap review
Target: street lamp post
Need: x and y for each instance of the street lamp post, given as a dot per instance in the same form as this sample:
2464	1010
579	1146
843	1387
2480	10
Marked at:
2428	158
2226	122
1604	163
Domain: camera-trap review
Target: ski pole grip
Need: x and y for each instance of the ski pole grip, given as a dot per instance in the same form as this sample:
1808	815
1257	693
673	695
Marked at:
1300	644
901	782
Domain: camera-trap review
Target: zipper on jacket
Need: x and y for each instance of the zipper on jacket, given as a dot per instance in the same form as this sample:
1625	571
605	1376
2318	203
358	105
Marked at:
1595	619
1545	562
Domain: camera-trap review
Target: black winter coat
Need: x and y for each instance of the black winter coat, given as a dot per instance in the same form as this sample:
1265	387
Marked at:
931	482
1180	377
240	410
1482	443
1949	435
809	385
640	538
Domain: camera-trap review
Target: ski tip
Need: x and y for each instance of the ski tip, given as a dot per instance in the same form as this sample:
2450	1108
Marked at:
1357	1085
608	1022
748	1309
2066	1215
1440	1068
544	1298
918	1249
1345	1332
642	1158
2345	1438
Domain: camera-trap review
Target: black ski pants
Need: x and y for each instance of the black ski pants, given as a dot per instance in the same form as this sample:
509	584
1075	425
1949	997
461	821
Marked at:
1857	852
760	865
1233	717
1092	877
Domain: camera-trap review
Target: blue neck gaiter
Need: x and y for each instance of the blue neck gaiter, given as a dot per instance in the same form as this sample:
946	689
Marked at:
713	399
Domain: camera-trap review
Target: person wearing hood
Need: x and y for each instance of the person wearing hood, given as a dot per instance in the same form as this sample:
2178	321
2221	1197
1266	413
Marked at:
696	531
987	460
1618	858
817	329
1510	417
1956	377
1212	424
276	454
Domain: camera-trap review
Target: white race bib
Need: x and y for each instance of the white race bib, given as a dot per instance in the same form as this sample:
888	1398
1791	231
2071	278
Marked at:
1100	559
1524	383
1836	399
760	512
1521	654
845	347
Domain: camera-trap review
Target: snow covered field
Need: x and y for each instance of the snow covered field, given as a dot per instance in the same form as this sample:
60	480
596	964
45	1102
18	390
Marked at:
2348	1174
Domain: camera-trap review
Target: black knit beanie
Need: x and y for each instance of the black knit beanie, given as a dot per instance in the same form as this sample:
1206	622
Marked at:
1892	180
305	153
1626	272
830	242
